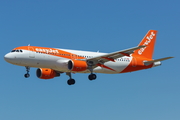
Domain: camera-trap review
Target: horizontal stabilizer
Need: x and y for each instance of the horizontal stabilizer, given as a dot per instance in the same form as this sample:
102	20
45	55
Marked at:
157	60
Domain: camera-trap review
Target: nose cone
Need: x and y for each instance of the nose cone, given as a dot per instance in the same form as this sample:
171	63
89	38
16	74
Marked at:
9	57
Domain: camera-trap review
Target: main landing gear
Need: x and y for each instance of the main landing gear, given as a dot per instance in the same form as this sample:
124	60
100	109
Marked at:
27	74
92	76
72	81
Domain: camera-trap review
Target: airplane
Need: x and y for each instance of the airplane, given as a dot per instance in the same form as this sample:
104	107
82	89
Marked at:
51	62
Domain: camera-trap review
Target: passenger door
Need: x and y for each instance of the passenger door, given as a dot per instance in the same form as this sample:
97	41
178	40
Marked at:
31	52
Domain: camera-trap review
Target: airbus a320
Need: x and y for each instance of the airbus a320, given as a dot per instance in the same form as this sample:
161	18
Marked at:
51	62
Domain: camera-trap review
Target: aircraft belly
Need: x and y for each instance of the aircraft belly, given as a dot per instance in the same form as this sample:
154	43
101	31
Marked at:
114	67
98	70
40	61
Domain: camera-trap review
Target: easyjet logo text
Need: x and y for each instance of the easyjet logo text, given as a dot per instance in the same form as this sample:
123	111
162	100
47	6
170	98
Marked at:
147	42
46	50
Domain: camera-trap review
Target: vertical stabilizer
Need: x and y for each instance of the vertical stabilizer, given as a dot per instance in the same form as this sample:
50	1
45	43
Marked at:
149	41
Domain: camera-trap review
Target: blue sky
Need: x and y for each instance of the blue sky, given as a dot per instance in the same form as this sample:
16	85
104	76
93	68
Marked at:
91	25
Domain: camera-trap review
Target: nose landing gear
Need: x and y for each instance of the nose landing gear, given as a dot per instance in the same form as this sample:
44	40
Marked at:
27	74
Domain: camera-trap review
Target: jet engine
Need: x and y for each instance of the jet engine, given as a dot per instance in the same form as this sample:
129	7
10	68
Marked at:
77	66
46	73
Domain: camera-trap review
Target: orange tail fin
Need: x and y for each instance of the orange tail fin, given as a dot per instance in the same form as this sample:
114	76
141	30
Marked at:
149	41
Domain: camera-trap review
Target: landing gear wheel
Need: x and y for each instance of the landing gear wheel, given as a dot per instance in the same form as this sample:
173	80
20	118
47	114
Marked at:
71	82
27	70
26	75
92	76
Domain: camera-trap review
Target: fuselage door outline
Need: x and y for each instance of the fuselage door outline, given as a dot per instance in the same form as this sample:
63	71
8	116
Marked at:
31	52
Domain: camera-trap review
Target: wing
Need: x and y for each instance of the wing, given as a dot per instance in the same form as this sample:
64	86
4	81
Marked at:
111	56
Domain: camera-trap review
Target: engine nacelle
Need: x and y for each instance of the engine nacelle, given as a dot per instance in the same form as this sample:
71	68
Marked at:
46	73
77	66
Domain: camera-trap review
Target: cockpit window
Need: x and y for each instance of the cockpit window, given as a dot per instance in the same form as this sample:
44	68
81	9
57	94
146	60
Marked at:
16	51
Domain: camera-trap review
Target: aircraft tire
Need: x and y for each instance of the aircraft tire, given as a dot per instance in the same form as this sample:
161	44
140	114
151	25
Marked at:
71	82
26	75
92	76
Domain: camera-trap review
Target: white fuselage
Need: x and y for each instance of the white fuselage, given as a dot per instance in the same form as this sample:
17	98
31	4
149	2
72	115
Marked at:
41	60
